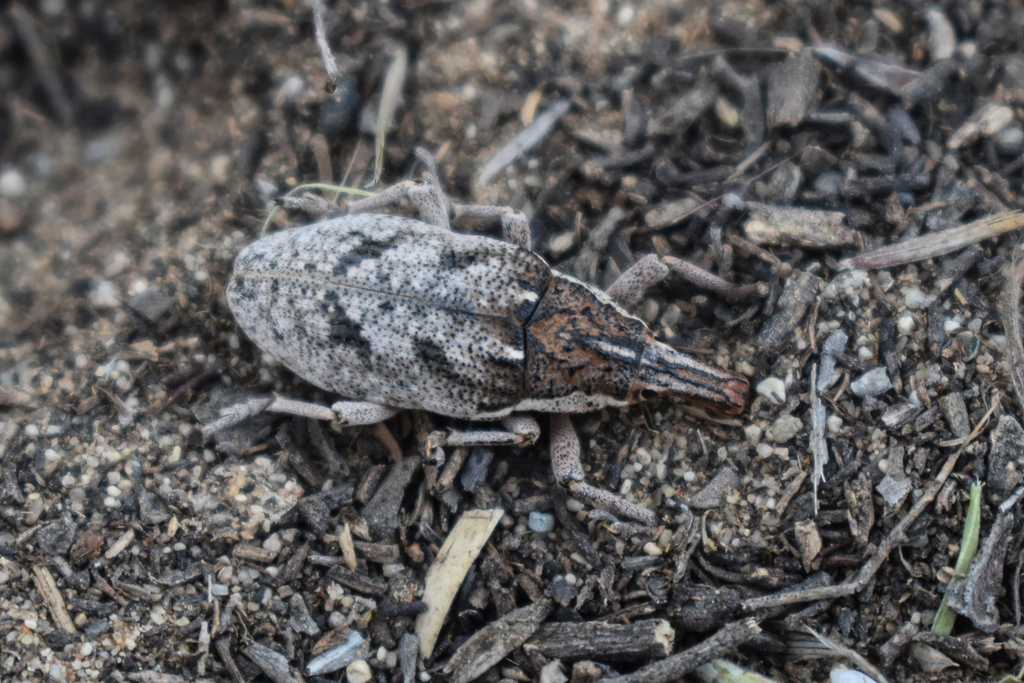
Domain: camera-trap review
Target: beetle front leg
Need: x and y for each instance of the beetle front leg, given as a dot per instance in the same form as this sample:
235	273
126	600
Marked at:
629	288
565	460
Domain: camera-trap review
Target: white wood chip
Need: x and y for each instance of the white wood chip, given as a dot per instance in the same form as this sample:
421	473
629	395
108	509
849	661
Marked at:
449	569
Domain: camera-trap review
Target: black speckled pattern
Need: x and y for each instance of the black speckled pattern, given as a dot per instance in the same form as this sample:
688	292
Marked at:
394	311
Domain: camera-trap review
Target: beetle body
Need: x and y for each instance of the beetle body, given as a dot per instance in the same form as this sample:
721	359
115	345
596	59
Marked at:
401	313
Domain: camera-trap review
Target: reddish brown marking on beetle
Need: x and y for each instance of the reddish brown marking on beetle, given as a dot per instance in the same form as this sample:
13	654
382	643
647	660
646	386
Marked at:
576	342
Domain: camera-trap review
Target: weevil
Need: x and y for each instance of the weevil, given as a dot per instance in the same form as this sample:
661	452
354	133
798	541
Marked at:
396	313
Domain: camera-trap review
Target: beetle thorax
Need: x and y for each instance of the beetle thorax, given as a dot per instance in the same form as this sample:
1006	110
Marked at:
583	350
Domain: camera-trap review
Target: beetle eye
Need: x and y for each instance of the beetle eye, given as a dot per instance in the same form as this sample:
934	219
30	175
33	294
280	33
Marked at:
648	394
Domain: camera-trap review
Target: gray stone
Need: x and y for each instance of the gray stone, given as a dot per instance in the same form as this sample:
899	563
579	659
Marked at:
713	495
784	428
872	383
1004	459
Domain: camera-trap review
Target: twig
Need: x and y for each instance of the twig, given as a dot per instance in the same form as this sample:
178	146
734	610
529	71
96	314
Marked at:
1011	320
819	448
489	645
47	588
190	384
524	141
223	647
728	637
936	244
390	97
44	62
326	54
839	650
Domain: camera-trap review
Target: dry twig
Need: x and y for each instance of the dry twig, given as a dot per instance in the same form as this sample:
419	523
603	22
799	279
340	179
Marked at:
326	54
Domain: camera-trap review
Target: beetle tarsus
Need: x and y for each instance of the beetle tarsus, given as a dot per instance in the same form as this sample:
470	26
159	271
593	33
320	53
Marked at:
610	501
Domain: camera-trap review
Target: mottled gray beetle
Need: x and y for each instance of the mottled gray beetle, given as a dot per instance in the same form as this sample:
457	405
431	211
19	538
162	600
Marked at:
397	313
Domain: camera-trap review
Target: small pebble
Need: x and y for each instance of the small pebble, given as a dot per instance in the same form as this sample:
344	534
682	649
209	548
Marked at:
358	672
941	34
950	326
834	423
273	544
290	89
864	353
785	428
914	298
849	676
652	549
872	383
105	295
392	569
541	522
12	184
905	324
101	148
900	120
773	389
1010	139
753	433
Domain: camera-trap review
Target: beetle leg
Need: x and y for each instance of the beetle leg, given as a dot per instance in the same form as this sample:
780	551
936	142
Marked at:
237	412
514	226
565	460
426	195
344	413
520	430
628	289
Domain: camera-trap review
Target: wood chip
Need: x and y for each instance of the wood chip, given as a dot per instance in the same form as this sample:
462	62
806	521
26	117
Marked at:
47	588
489	645
814	228
449	569
120	544
646	639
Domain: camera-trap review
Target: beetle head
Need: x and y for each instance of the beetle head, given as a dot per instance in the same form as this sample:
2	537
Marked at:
667	372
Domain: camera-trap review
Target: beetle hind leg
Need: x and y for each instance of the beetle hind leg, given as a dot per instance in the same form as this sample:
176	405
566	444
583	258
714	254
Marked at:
565	459
344	413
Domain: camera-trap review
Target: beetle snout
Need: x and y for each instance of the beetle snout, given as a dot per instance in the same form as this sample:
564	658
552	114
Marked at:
667	372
